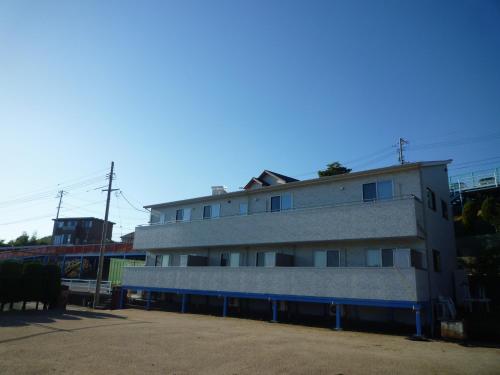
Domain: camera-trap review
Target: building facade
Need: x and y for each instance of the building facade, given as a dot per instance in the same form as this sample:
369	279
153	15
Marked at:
80	231
379	239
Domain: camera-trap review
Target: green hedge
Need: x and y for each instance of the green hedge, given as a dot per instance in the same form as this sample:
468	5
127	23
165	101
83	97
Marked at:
29	282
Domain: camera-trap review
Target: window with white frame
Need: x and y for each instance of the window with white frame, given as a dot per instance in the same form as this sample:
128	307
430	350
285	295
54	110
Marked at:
373	258
281	202
224	259
377	190
183	214
380	258
207	212
234	260
275	203
387	257
165	261
211	211
330	258
260	259
179	215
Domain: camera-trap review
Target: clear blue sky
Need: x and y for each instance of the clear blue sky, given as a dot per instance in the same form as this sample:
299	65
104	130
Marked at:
188	94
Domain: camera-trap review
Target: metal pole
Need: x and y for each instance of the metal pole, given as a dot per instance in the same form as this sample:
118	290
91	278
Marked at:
60	196
418	322
275	311
338	316
103	240
224	307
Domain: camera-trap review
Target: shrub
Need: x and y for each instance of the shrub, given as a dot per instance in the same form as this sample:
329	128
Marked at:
33	281
469	215
11	289
51	284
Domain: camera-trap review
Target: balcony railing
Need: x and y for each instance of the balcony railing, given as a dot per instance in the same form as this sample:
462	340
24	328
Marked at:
395	284
399	217
475	180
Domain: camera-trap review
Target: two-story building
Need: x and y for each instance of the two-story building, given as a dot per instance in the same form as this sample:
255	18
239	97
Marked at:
376	244
80	231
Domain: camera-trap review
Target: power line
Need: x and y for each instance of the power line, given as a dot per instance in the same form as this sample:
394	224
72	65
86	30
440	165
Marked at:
131	205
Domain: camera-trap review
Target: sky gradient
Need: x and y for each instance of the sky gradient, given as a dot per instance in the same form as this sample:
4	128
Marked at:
183	95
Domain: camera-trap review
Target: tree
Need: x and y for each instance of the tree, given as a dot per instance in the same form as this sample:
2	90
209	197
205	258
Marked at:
490	212
333	169
469	215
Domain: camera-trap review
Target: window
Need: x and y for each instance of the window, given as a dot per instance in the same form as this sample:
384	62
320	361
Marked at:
387	258
224	259
158	260
207	212
333	258
215	210
183	214
444	209
275	203
60	224
183	261
179	215
436	259
234	260
384	189
212	211
373	258
260	259
329	258
88	224
163	218
286	201
243	208
377	190
369	192
320	259
165	260
281	202
431	199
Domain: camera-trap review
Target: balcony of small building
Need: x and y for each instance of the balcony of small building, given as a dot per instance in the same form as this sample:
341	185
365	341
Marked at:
393	218
372	286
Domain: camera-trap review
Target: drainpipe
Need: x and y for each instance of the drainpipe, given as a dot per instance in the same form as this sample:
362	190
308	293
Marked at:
424	210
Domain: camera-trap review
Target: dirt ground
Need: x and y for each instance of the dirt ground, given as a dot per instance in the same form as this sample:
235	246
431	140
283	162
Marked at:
81	341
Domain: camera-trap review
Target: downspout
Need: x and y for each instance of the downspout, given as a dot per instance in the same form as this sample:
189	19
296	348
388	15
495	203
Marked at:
424	211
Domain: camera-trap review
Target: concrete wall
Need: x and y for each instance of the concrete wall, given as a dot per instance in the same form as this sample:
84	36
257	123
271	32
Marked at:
366	220
360	283
440	234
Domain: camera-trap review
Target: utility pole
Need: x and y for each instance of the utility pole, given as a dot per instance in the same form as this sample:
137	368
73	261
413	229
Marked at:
402	143
103	238
60	196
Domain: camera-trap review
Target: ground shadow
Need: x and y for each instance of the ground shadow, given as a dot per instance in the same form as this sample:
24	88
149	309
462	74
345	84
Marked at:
17	318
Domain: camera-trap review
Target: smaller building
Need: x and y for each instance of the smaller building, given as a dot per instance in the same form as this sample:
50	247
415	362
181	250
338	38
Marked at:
128	238
80	231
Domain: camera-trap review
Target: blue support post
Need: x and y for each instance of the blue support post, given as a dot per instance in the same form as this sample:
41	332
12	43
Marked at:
338	317
122	296
224	307
148	300
275	311
418	322
184	303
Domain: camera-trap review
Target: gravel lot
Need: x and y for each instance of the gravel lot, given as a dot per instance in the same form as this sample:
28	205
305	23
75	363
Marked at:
134	341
